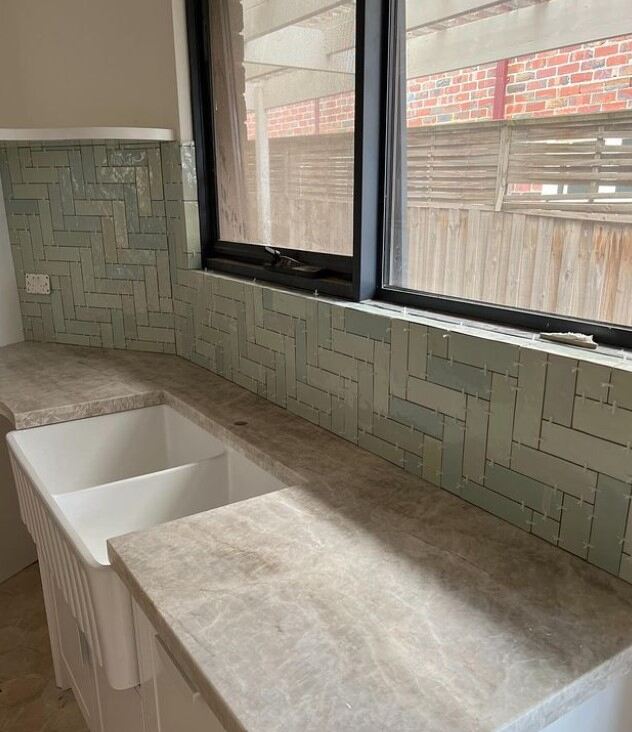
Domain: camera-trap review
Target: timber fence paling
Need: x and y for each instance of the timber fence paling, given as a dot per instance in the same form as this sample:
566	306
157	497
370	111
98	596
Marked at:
479	223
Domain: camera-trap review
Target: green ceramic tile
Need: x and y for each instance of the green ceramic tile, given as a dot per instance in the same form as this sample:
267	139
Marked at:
609	521
530	398
523	489
559	394
575	526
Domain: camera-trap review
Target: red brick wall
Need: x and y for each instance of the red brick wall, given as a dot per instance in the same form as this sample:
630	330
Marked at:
313	117
583	79
336	113
294	119
456	96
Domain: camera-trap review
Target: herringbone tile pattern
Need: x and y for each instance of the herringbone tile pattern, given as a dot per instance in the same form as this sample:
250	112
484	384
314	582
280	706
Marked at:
92	216
540	438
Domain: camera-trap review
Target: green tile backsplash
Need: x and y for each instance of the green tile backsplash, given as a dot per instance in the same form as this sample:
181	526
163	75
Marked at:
539	438
93	217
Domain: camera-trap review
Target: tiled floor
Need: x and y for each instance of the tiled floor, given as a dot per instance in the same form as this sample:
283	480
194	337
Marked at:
29	699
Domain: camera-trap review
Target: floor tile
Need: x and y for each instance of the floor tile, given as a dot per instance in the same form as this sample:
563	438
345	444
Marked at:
29	699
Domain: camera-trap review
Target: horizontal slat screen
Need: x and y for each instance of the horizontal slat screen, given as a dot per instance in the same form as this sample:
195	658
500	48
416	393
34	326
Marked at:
579	166
572	165
453	165
315	166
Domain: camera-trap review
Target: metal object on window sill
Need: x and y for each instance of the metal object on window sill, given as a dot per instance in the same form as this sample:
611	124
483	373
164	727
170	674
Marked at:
282	263
572	339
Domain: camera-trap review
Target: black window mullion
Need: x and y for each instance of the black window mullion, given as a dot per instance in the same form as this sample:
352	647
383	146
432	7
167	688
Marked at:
372	22
198	37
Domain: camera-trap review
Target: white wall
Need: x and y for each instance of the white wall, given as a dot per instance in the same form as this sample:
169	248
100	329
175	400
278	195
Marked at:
87	63
10	318
16	548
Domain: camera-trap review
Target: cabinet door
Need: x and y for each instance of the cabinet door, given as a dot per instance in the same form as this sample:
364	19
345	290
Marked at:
144	634
178	702
78	661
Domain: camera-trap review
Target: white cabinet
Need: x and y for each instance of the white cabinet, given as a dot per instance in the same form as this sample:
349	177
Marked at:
177	699
165	700
77	662
170	700
105	709
16	546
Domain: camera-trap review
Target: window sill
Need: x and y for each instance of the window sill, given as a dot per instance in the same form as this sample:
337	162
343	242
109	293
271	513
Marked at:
328	285
607	356
603	355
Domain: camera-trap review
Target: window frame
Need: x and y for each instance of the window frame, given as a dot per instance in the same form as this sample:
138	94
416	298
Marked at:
490	313
360	276
353	277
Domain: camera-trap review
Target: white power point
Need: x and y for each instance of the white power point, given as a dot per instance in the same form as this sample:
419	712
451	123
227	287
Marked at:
38	284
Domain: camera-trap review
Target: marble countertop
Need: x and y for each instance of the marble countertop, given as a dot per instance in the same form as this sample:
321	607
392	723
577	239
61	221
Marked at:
359	599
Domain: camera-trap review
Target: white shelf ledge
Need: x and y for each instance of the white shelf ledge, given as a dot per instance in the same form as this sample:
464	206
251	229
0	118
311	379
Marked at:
87	133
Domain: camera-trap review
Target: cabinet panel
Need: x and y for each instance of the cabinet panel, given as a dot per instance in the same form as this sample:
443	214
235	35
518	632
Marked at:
77	657
171	702
178	701
144	635
104	709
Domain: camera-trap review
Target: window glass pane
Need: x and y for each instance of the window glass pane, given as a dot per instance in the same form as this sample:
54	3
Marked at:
283	83
512	180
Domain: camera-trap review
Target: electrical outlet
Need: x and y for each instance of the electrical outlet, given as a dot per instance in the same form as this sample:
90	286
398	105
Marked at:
38	284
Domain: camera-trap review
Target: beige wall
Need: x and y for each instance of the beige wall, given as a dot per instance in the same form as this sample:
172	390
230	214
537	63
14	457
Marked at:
87	63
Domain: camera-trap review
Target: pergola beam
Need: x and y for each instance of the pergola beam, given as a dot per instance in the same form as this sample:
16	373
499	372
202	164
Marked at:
256	72
286	45
297	47
541	27
298	86
273	15
422	14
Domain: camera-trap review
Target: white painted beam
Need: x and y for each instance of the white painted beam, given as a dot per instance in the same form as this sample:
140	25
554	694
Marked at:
540	27
545	26
297	47
258	71
262	153
297	86
420	14
272	15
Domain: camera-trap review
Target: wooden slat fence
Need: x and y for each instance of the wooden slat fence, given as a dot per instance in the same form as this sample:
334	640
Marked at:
577	268
480	222
588	161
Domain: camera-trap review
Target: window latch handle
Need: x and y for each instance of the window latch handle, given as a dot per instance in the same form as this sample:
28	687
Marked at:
289	264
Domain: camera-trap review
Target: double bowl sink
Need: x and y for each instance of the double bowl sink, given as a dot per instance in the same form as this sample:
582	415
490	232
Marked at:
82	482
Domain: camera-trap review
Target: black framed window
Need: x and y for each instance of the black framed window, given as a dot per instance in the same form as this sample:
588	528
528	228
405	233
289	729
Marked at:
445	158
508	168
281	101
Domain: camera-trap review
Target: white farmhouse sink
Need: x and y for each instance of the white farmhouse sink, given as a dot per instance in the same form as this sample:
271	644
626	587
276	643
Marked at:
82	482
88	452
97	514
